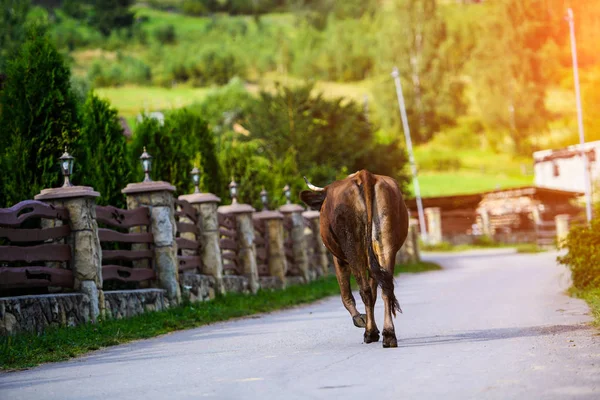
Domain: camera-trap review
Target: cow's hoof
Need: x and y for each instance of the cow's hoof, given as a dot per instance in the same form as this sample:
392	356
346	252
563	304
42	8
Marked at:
360	320
372	336
389	339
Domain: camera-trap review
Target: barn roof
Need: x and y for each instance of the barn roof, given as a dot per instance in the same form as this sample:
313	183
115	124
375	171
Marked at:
472	200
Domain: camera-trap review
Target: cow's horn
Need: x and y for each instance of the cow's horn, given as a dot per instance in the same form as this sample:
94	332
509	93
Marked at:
313	187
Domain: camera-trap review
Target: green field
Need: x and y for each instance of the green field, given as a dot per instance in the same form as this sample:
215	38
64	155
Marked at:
132	100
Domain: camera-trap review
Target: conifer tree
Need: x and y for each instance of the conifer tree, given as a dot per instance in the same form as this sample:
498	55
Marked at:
38	118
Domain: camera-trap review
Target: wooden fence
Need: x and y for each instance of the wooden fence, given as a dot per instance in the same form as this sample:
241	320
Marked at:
262	247
28	242
188	240
112	240
228	240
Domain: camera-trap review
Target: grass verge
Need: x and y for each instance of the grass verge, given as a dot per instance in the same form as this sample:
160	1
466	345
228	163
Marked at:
592	297
529	248
59	344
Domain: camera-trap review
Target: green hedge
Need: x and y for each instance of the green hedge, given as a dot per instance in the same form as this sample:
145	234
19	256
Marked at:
583	257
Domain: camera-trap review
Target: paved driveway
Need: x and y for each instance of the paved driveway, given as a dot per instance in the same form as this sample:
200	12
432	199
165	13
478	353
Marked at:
491	325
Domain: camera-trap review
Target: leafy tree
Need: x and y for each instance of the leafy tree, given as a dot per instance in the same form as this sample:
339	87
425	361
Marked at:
39	117
109	15
13	14
248	162
102	149
415	38
332	137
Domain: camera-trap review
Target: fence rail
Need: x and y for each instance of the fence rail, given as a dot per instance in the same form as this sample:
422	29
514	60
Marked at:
188	247
141	242
228	240
33	245
262	247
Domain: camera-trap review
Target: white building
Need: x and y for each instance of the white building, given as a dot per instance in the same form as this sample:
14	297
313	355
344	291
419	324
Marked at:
563	168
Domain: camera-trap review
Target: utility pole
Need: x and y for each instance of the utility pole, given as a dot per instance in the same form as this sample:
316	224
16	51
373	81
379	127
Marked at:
411	157
586	172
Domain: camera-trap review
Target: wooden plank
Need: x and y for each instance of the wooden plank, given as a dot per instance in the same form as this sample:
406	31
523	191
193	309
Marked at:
259	241
228	244
34	235
289	253
24	277
189	262
189	228
261	254
119	218
186	210
126	255
263	270
109	235
21	212
227	232
125	274
187	244
42	252
226	220
231	266
229	256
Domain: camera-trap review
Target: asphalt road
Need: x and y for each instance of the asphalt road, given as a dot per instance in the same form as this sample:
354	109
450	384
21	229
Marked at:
491	325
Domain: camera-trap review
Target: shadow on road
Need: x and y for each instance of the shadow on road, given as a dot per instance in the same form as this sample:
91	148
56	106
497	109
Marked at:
491	334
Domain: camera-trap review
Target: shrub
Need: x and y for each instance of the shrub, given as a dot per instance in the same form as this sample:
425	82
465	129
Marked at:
126	69
39	117
583	257
102	149
165	34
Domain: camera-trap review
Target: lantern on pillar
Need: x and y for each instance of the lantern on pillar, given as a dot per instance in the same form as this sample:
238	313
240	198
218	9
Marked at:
264	198
287	193
233	191
196	179
66	166
146	160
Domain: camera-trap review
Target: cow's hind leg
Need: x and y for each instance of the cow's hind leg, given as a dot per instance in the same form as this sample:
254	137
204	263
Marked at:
342	272
371	331
389	333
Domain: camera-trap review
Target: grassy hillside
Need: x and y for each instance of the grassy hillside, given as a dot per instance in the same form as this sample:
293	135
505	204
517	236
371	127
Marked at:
466	159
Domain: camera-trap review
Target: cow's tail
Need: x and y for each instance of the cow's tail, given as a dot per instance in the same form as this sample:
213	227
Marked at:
384	278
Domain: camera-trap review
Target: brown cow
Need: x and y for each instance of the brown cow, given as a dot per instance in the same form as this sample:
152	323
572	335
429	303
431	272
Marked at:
364	222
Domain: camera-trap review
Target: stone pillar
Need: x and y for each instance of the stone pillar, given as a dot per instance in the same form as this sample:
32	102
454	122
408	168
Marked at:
208	224
562	227
321	251
86	261
246	248
486	226
293	213
434	224
158	197
273	221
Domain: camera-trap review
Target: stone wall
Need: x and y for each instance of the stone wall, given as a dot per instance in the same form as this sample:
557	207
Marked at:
128	303
38	312
198	287
235	283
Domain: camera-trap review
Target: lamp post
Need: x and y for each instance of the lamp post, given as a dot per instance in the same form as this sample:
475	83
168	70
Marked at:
586	176
233	191
411	158
66	166
196	179
146	160
264	198
287	193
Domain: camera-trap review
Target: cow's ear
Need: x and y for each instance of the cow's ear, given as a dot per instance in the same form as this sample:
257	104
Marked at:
313	199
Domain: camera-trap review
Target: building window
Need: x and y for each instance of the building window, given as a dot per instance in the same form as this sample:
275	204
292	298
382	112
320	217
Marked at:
555	170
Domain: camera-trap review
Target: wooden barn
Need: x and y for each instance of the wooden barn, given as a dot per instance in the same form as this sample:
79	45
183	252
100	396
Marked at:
507	215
